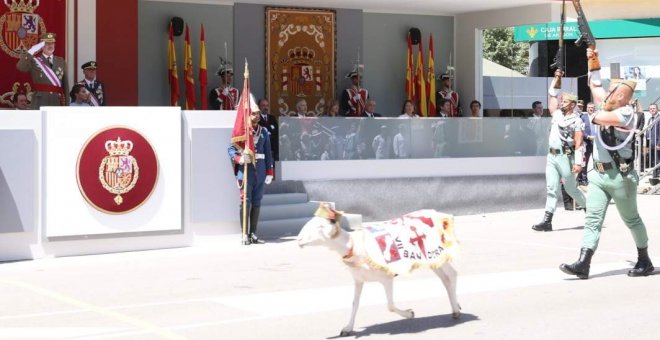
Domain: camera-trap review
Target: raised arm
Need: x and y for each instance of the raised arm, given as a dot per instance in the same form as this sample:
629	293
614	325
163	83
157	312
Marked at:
598	93
553	101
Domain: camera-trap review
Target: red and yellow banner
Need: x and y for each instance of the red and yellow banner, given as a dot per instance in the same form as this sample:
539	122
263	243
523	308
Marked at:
21	24
430	82
421	83
172	73
410	77
188	72
203	75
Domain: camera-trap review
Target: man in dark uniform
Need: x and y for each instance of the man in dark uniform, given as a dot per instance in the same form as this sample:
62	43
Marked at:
259	173
48	73
447	93
270	123
225	96
354	98
95	87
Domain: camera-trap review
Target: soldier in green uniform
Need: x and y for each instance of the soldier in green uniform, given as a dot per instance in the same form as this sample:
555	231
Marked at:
564	158
613	176
48	73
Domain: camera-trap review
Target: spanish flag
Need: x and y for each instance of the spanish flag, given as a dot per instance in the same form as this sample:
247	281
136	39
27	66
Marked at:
203	77
410	77
421	83
188	71
431	80
241	135
172	73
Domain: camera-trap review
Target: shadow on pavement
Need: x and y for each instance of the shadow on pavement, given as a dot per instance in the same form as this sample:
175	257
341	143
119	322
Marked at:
412	326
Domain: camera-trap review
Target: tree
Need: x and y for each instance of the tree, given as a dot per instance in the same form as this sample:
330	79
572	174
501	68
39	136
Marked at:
499	47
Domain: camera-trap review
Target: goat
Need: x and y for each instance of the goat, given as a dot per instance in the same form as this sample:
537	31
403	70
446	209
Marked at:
324	229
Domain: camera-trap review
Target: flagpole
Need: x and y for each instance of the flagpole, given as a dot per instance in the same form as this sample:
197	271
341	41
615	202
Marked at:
247	124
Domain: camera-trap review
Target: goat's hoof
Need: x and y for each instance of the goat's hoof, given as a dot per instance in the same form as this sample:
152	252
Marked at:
345	333
411	313
455	315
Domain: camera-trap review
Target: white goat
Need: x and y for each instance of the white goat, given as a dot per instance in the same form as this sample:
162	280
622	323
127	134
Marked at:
324	229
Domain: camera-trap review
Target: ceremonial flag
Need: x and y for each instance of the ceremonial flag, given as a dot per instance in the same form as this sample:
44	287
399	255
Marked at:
188	71
173	76
203	78
410	78
421	83
241	135
431	80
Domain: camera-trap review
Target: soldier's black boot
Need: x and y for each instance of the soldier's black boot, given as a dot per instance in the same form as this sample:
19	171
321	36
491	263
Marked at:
254	221
546	224
581	267
245	240
643	267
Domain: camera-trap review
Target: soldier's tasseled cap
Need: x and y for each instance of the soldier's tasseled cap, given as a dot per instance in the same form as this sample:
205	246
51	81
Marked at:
445	76
351	74
48	37
223	69
570	96
89	65
629	83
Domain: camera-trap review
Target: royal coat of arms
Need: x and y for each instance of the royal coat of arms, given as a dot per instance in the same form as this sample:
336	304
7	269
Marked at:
20	27
119	171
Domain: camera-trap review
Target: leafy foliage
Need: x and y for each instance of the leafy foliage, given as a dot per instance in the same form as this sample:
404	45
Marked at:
499	47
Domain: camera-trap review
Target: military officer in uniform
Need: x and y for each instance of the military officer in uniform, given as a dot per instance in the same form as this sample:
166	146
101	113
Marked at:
614	176
225	96
48	73
95	87
269	122
565	155
354	98
448	94
259	172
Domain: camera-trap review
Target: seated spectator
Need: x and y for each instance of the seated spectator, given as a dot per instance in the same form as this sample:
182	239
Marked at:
79	96
408	110
20	101
370	109
332	109
475	108
301	109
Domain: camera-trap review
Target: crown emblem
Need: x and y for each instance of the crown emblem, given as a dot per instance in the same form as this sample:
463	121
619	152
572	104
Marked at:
532	32
302	54
27	6
118	147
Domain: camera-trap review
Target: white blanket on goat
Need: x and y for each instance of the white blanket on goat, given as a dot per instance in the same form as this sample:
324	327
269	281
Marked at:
421	239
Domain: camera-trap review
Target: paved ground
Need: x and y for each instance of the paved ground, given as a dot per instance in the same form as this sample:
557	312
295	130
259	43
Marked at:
509	288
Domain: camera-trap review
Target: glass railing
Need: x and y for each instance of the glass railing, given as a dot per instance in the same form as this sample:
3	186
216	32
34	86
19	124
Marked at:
325	138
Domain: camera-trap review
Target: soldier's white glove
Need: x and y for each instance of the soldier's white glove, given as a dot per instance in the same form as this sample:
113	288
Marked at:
225	91
34	49
269	179
357	97
245	158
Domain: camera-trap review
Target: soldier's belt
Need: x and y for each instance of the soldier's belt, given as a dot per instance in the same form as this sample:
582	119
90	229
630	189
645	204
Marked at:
259	156
47	88
554	151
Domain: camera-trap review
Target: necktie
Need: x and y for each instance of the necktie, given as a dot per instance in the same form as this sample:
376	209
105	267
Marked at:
50	61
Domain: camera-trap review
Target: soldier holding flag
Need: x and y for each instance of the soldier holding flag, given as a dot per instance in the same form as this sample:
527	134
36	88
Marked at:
225	96
250	153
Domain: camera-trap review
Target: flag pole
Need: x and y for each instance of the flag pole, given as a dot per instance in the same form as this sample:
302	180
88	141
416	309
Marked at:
247	124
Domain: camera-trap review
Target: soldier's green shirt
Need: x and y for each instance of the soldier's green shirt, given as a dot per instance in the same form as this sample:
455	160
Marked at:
624	135
564	125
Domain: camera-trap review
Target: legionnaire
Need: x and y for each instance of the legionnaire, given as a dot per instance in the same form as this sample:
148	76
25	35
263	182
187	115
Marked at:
95	87
48	73
614	176
354	98
448	94
225	96
565	155
259	173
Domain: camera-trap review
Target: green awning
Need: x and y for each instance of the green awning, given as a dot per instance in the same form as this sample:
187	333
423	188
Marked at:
603	29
